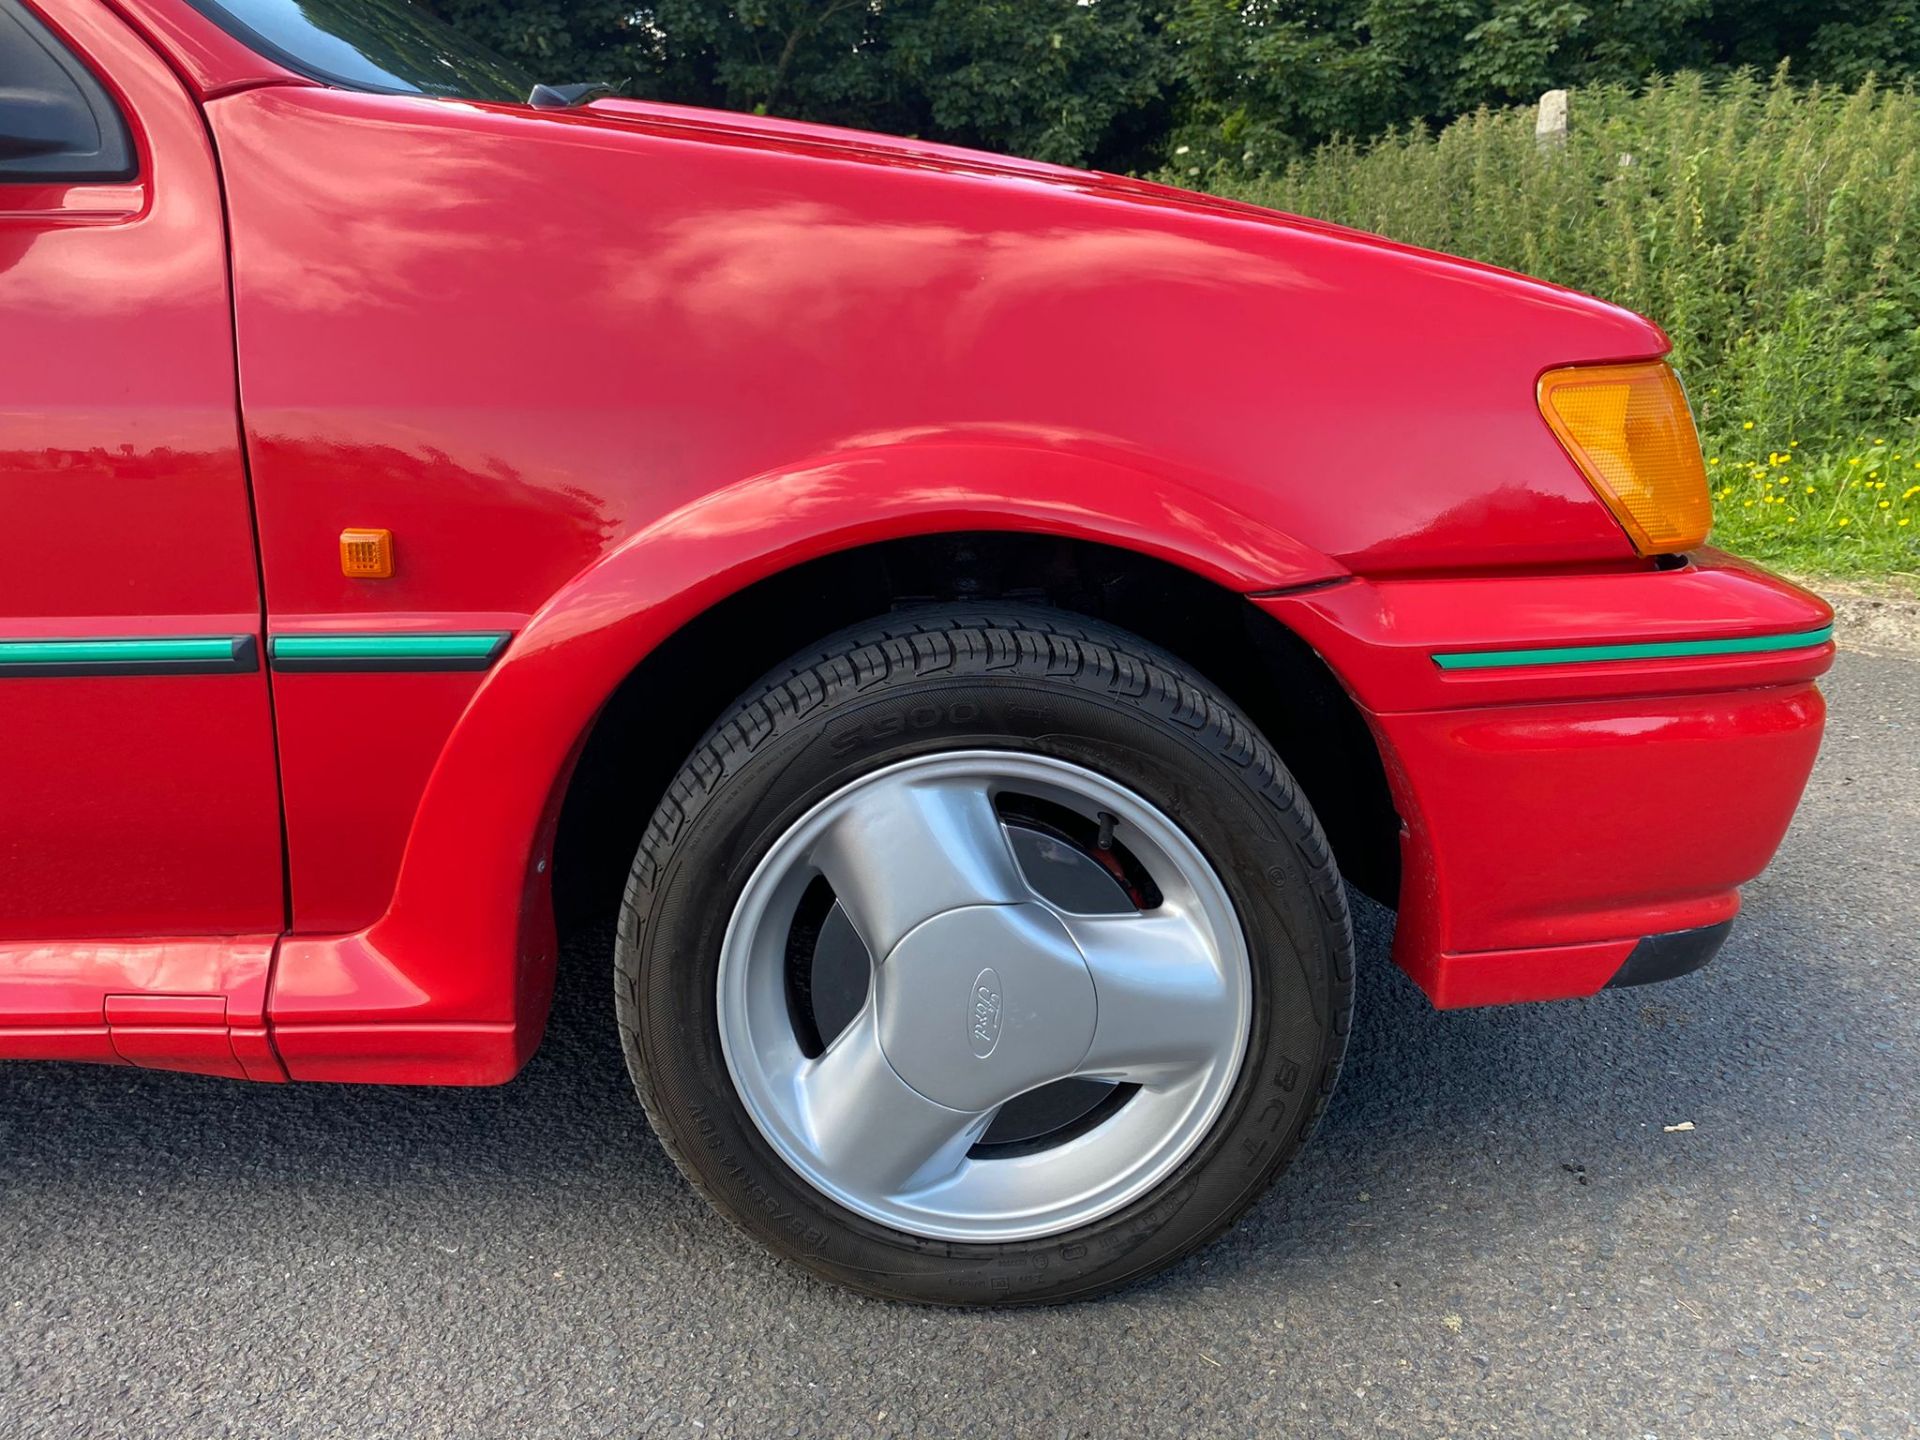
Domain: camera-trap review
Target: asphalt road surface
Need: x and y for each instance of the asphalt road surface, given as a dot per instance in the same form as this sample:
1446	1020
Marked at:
1494	1233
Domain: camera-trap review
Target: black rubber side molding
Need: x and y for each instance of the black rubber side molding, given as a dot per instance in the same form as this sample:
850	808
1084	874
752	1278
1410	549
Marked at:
1669	956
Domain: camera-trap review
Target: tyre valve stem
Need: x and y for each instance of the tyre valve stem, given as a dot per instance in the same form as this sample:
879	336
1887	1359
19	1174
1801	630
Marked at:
1107	822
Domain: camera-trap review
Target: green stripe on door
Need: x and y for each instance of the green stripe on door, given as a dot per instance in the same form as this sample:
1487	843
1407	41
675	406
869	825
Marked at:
1642	650
211	654
128	655
109	652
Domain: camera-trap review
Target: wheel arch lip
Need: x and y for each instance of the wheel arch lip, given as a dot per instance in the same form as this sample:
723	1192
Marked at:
454	947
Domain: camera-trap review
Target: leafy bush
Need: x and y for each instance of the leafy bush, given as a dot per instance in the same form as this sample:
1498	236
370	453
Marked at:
1774	232
1051	79
1121	83
1258	81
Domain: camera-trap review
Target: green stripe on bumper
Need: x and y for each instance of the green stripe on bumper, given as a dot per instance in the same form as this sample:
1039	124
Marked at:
1645	650
154	655
422	650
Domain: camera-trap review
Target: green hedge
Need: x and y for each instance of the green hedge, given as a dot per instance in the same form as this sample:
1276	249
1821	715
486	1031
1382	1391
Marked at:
1774	231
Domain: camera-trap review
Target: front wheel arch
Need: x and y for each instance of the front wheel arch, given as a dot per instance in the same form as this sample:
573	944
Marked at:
1295	700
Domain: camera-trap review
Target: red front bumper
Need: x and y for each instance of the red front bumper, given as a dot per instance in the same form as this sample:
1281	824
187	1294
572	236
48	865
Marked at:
1559	808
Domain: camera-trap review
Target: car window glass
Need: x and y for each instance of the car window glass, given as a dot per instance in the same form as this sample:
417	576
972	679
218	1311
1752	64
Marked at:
380	45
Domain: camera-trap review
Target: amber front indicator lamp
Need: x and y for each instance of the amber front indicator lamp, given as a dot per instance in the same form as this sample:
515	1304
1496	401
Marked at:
1629	430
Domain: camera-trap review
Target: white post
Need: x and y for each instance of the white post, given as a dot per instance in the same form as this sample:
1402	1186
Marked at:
1550	127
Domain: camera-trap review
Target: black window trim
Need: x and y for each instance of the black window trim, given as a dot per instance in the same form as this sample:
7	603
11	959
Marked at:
117	159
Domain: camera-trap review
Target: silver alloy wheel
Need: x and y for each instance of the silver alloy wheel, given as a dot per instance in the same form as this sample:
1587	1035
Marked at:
983	990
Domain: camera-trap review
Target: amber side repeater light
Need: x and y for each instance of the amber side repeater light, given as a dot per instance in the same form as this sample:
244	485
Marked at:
366	554
1629	430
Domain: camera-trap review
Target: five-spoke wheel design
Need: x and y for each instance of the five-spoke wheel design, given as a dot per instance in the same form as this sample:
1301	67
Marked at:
984	996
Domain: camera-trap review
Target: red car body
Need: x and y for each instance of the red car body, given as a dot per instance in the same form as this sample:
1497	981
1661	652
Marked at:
604	371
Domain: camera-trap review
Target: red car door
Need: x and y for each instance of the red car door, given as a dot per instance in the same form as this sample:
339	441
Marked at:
139	800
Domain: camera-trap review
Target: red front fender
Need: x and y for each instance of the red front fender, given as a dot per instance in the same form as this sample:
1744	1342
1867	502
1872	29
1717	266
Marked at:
451	984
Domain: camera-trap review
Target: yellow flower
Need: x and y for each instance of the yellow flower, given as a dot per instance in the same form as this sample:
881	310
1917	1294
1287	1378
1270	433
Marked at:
1843	520
1886	504
1854	461
1879	442
1905	521
1747	426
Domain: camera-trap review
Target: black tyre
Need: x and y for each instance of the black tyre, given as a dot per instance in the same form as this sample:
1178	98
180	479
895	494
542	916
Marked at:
1164	961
